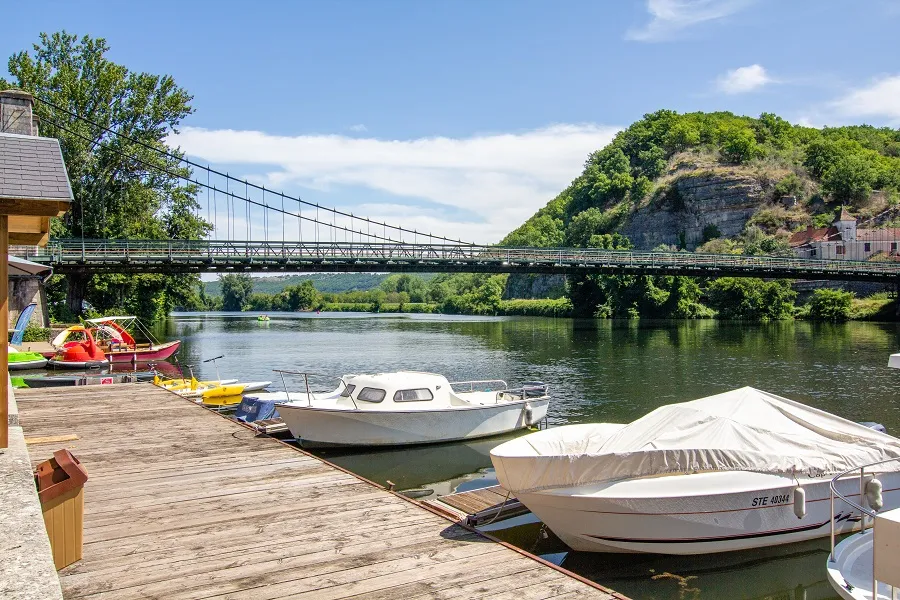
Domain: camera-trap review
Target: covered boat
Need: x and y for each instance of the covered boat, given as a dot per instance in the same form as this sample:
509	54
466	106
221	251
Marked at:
737	470
79	353
112	336
408	407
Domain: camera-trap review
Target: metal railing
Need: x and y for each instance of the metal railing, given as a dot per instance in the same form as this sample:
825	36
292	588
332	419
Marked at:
479	382
213	253
863	512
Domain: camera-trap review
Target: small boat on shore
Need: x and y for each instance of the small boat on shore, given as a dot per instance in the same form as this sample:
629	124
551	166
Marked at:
80	353
113	338
19	360
738	470
408	407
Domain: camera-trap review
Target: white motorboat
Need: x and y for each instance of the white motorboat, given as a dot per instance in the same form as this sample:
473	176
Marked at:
868	560
408	407
742	469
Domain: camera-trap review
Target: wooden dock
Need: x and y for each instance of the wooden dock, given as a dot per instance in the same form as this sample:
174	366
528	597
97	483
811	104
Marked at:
477	507
184	503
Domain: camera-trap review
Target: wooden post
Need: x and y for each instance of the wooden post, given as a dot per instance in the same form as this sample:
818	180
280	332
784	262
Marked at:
4	318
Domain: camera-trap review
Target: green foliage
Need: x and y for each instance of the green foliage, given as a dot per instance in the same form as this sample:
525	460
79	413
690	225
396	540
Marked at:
711	232
559	307
751	299
33	333
850	179
789	185
830	305
236	290
115	196
414	287
738	144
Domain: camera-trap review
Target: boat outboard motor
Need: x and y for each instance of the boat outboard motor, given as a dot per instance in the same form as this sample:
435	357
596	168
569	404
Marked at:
873	425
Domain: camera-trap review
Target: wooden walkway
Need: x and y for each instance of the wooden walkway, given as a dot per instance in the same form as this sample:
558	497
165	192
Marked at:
183	503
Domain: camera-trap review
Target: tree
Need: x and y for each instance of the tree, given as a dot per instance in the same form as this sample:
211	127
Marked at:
739	144
302	296
751	299
120	187
236	290
830	305
850	179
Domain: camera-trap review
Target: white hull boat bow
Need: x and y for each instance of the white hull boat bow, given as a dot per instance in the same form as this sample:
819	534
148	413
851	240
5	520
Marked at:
739	470
394	409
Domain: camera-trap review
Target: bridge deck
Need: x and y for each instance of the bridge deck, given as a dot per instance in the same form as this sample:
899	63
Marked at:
71	256
183	503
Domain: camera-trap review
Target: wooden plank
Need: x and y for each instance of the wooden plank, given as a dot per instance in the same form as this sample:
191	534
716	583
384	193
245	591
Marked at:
51	439
184	503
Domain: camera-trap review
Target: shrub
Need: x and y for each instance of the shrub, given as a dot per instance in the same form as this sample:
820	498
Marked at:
751	299
830	305
711	232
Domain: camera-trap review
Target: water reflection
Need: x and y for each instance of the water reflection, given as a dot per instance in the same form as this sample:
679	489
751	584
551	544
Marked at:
613	371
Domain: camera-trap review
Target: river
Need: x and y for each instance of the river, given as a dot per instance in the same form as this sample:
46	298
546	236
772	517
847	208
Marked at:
612	371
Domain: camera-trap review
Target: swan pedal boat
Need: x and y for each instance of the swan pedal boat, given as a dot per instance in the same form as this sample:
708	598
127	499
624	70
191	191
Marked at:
408	407
118	345
738	470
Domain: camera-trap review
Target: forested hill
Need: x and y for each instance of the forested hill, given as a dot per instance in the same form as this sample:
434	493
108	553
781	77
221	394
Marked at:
718	182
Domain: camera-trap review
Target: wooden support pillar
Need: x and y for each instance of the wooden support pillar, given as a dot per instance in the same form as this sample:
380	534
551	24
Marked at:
4	319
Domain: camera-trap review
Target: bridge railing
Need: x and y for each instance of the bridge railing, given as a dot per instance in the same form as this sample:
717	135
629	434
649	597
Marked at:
212	251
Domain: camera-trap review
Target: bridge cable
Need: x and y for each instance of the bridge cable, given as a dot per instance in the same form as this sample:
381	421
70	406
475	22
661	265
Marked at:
234	196
187	161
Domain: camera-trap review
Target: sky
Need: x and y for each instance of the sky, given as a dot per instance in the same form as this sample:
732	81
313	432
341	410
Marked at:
463	117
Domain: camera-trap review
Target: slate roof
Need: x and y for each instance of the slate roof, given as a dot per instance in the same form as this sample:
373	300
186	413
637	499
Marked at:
32	167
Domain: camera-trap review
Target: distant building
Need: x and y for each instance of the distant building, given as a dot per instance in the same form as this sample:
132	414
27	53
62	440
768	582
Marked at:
844	241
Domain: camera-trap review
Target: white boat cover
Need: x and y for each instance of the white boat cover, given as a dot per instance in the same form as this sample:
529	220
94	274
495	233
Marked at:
741	430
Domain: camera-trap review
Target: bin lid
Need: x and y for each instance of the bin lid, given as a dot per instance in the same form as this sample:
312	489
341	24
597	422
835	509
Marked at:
58	475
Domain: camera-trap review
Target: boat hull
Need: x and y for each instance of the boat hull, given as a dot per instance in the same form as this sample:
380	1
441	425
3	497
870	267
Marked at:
317	427
77	364
160	352
21	365
632	520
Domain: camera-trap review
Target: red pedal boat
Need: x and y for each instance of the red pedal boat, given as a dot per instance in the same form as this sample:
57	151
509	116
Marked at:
79	353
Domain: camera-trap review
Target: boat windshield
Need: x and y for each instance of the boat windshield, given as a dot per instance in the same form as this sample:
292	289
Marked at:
369	394
413	395
348	389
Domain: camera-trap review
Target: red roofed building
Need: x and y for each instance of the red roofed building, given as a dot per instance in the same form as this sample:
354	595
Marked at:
843	241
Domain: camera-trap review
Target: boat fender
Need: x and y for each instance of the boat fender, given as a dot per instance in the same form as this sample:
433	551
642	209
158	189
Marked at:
873	494
529	414
799	502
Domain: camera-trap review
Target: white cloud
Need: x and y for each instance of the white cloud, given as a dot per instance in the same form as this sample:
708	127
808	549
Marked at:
673	16
880	99
502	178
358	127
743	79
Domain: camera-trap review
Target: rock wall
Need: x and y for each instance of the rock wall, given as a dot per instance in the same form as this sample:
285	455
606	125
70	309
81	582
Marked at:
534	285
724	198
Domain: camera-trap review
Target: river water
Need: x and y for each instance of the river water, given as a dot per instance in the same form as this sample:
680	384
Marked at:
614	371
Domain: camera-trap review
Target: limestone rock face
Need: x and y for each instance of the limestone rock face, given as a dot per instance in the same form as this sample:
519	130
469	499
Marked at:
724	198
534	285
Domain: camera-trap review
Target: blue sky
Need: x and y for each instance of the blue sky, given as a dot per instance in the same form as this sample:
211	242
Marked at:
464	117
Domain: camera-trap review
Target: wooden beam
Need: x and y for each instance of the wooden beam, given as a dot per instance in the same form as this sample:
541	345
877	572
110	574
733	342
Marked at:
29	239
4	319
33	207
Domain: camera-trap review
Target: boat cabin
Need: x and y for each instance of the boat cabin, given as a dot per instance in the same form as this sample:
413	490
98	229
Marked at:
404	390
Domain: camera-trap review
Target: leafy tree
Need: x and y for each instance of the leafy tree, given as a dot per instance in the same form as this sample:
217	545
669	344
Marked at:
751	299
739	144
302	296
116	196
236	290
789	185
850	179
830	305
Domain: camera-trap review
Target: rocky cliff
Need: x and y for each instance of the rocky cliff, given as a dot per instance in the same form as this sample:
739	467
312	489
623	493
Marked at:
692	202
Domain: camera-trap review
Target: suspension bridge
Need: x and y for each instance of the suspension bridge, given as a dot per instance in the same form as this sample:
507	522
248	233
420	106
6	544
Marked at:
313	238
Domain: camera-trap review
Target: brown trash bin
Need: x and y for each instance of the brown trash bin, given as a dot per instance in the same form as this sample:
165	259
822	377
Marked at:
60	485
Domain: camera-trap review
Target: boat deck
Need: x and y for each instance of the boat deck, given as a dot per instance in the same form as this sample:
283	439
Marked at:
184	503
